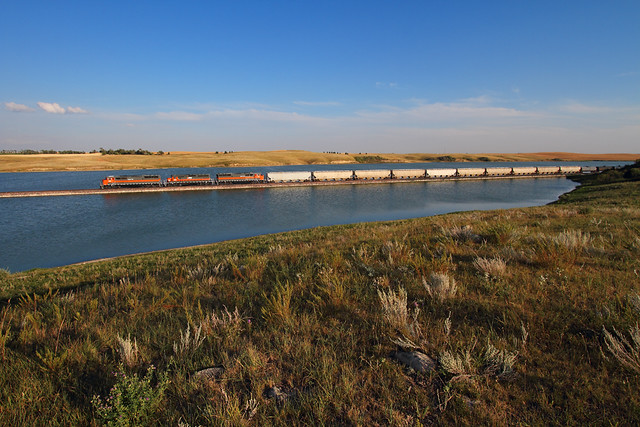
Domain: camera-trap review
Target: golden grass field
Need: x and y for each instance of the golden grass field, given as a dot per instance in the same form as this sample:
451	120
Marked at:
97	161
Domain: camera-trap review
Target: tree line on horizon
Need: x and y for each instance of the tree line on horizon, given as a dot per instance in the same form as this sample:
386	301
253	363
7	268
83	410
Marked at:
103	151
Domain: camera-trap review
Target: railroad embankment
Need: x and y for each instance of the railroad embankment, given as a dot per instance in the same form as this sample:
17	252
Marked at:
519	316
131	190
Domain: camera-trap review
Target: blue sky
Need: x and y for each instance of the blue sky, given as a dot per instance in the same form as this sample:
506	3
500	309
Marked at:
357	76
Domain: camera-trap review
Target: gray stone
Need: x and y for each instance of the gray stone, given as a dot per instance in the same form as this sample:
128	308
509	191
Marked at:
278	394
208	374
417	361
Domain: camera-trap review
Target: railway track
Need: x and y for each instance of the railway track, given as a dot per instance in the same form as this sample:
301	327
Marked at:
116	191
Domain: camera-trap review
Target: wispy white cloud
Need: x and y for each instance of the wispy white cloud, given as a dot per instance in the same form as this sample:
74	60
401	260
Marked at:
247	114
579	108
51	107
477	100
76	110
55	108
179	116
386	85
18	108
265	115
317	103
477	108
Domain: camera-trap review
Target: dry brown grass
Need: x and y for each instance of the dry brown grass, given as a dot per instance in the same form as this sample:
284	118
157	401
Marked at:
96	161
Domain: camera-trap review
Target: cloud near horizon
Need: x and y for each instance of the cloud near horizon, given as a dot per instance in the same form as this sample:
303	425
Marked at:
76	110
317	103
55	108
17	108
51	107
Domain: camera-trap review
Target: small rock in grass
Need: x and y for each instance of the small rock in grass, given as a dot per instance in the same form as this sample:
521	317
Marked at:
208	374
278	394
471	403
417	361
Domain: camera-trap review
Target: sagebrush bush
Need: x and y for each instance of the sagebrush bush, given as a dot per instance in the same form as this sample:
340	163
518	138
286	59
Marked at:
491	267
464	234
458	363
440	286
498	363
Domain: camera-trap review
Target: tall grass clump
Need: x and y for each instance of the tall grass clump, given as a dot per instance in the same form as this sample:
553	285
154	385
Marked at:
573	239
440	286
504	233
224	327
227	322
189	341
5	332
564	247
394	307
625	351
128	350
634	302
277	306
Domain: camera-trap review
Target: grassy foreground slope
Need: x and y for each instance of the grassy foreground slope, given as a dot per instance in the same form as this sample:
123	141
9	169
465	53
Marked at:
540	327
97	161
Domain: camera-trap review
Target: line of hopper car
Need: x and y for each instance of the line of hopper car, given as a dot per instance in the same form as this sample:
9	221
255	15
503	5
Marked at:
336	175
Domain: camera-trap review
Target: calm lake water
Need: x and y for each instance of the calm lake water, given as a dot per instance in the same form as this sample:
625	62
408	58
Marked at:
54	231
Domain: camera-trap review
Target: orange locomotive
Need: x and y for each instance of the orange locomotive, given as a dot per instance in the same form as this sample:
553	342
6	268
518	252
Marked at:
176	180
131	181
235	178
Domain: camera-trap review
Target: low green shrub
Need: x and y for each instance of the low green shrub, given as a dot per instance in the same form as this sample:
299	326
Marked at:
132	400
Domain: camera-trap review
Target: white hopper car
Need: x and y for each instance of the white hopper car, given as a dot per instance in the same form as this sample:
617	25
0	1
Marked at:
498	171
525	170
546	170
372	174
291	176
441	173
408	173
570	169
471	171
332	175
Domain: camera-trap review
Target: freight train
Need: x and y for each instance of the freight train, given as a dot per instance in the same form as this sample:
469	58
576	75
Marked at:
337	175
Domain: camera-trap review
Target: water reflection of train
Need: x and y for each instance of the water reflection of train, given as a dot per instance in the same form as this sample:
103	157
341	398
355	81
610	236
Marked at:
337	175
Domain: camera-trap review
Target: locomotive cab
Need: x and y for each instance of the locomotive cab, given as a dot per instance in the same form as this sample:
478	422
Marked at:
108	181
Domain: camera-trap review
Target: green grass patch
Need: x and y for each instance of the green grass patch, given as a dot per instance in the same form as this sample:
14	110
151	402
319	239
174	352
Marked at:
370	159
